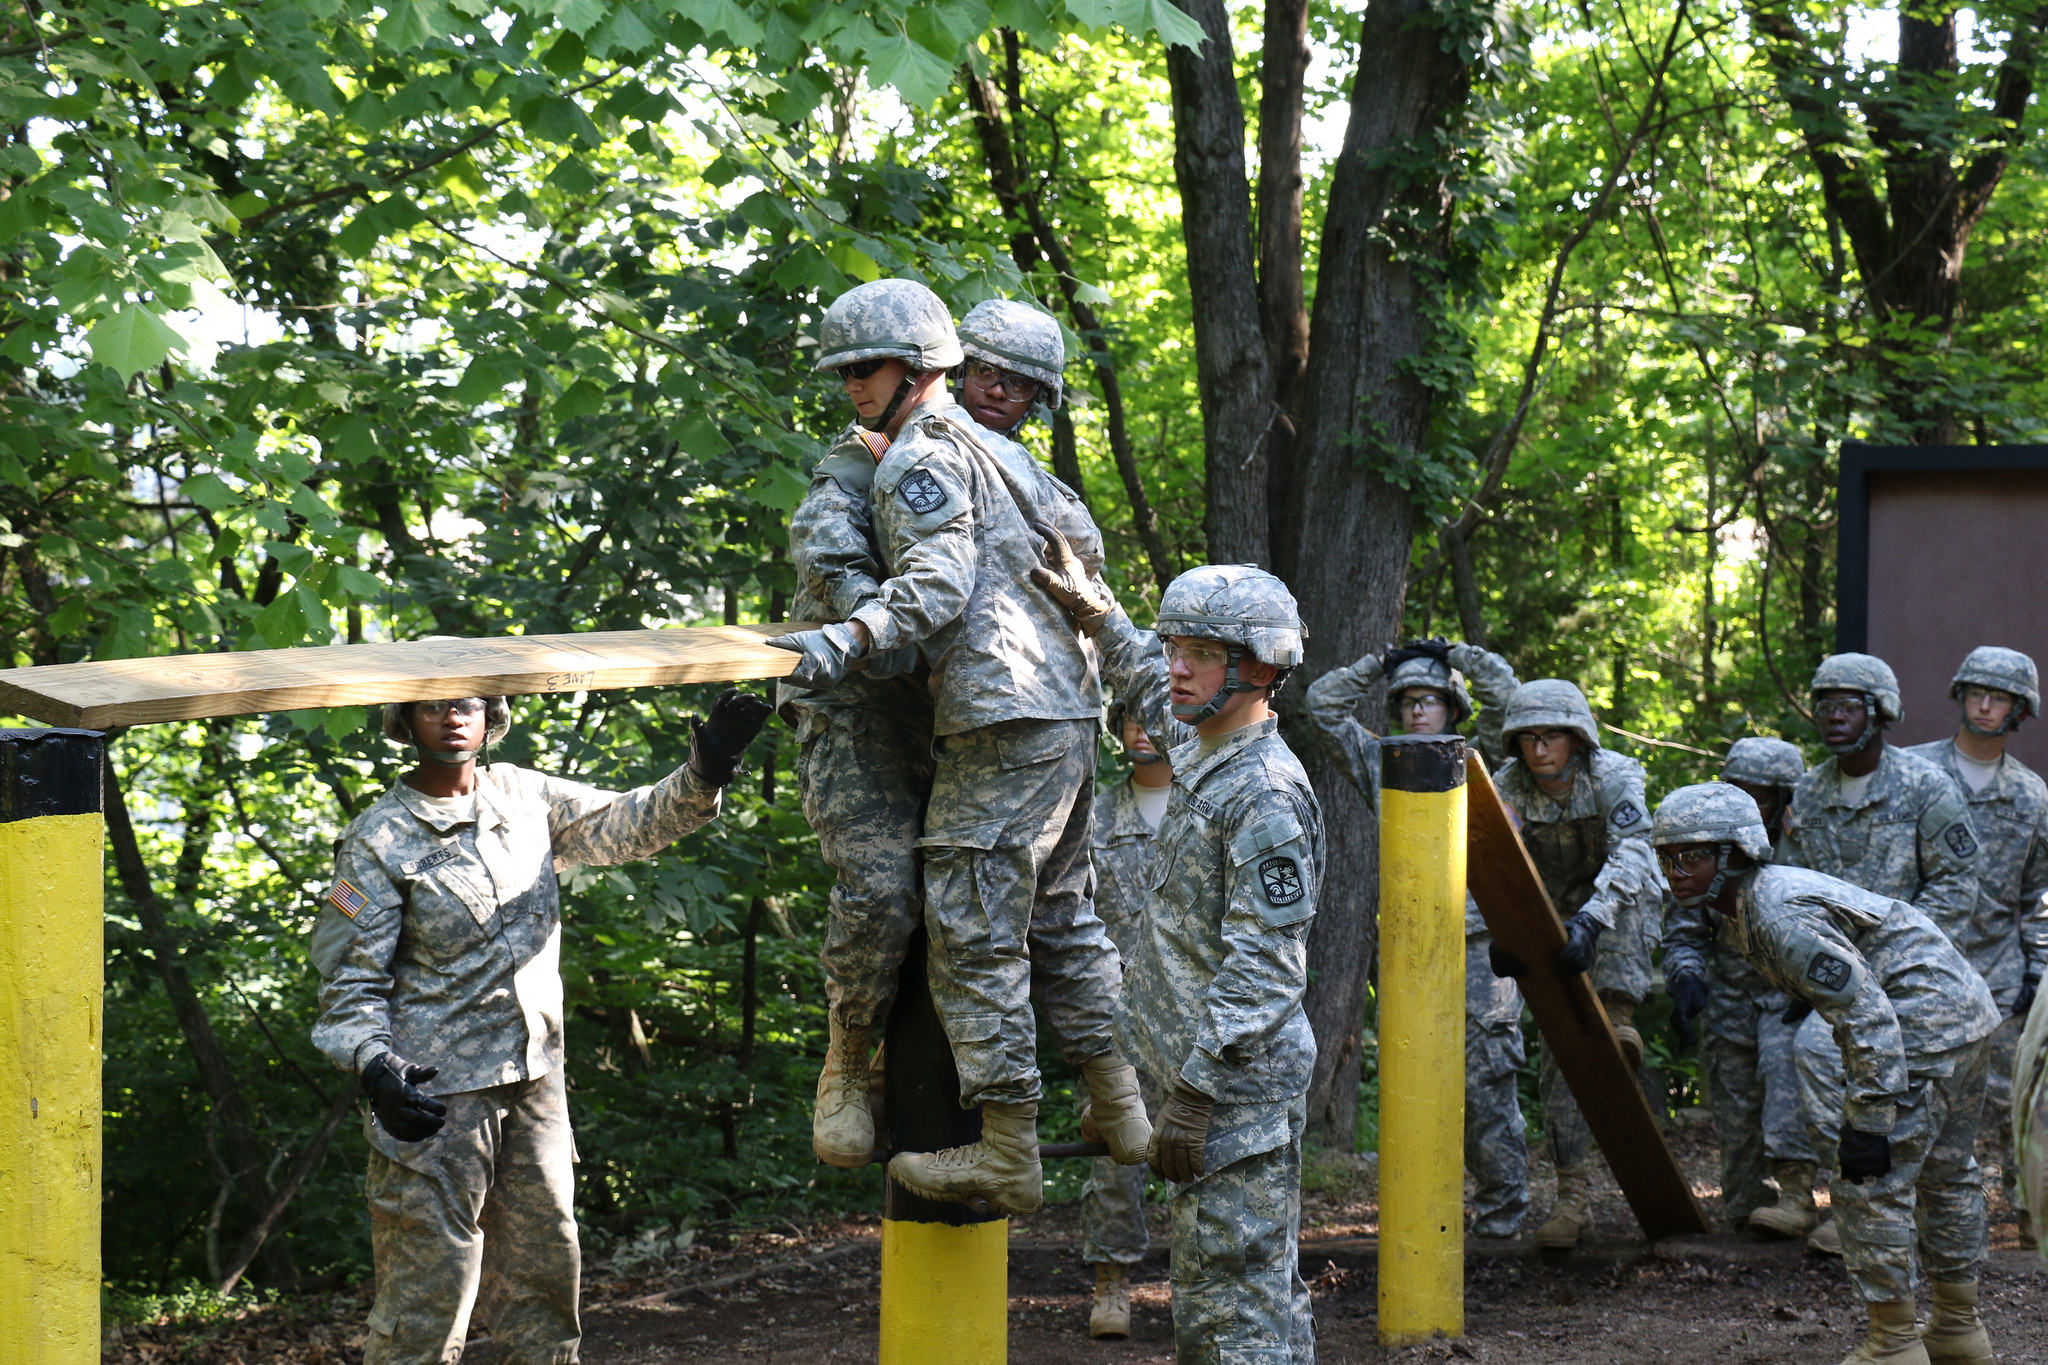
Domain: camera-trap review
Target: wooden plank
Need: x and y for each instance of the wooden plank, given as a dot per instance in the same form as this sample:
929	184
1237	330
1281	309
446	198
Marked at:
1575	1027
98	695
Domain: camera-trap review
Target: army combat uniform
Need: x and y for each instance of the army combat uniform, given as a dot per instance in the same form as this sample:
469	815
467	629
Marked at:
864	757
1113	1228
1592	849
441	942
1905	1018
1907	836
1496	1135
1005	843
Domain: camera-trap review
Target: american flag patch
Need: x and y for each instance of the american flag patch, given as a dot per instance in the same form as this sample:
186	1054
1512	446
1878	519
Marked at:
347	899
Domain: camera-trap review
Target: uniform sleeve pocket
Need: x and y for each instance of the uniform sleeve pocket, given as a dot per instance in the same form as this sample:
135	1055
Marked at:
1263	835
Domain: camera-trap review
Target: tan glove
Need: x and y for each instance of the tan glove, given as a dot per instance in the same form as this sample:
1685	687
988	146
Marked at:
1071	583
1180	1134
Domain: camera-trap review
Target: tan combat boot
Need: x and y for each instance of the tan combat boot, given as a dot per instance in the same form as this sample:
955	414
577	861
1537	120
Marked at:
1117	1108
1825	1240
1622	1014
842	1126
1569	1220
1794	1214
1001	1168
1111	1315
1955	1332
1893	1339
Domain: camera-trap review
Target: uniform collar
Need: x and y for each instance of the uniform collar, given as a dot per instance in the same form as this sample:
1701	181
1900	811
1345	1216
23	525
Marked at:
2001	785
488	813
1124	815
1190	765
1882	780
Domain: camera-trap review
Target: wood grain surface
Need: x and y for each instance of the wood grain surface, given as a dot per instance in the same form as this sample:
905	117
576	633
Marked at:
98	695
1575	1027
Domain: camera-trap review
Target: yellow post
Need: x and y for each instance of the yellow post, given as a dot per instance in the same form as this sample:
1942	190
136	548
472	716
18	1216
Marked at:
51	949
945	1267
1422	1038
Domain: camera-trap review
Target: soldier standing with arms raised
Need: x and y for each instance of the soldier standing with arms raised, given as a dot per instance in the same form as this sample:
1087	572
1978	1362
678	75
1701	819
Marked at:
1426	696
439	953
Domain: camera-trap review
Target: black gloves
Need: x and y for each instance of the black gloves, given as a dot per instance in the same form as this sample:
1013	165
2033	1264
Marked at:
828	654
1864	1156
1581	932
1181	1134
1795	1013
1503	962
716	743
2023	1003
1688	1000
403	1109
1437	648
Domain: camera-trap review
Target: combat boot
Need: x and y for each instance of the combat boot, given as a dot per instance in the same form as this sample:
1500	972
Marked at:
1001	1168
1794	1215
1825	1240
1569	1220
1954	1331
842	1125
1117	1108
1111	1315
1893	1339
1622	1014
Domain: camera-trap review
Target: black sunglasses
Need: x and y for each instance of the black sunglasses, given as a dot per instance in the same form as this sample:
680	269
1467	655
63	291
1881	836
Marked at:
861	369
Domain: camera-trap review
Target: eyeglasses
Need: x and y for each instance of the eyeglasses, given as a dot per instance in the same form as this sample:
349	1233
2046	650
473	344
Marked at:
467	706
1546	739
1978	696
1019	388
1423	701
862	369
1195	653
1838	708
1684	862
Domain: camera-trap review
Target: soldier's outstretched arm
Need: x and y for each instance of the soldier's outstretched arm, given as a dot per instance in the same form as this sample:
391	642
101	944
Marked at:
1812	960
1270	885
1630	869
1688	936
1333	702
1133	668
355	940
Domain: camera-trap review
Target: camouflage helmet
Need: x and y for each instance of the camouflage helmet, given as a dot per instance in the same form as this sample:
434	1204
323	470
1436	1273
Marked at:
2007	670
1549	704
497	717
1435	675
1711	813
1239	604
888	319
1016	336
1864	673
1763	761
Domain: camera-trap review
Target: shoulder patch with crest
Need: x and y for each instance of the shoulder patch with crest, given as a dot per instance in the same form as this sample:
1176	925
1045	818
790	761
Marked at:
1828	972
922	492
1960	841
1281	878
1627	813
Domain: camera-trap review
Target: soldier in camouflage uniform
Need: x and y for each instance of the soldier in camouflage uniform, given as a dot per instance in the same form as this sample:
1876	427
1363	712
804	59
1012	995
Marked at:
1883	819
1213	1003
1996	689
2030	1111
1127	815
440	943
1015	355
1585	820
1908	1022
864	762
1747	1049
1426	696
1005	843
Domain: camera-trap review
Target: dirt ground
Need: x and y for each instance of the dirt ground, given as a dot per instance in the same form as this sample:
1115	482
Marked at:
808	1295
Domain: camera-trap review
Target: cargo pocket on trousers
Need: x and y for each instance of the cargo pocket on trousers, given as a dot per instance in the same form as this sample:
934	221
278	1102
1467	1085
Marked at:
964	872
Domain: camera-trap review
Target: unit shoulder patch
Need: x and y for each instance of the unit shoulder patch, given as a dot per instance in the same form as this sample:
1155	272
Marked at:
922	492
1960	840
1829	972
1626	814
1281	879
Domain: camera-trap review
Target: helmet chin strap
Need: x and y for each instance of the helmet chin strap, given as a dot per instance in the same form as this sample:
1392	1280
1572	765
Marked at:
1872	729
1232	683
1722	873
1144	760
888	414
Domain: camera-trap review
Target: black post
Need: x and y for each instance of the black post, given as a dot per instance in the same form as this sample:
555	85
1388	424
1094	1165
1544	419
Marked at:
921	1095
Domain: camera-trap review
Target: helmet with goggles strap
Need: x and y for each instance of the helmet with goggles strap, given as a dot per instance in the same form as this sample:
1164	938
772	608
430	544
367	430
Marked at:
888	320
1434	675
2002	670
1247	610
1713	813
1017	337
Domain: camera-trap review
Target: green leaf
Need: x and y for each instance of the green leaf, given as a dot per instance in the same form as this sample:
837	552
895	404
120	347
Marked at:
573	175
360	583
1174	25
699	435
210	492
721	16
132	339
918	74
781	488
579	16
410	23
856	264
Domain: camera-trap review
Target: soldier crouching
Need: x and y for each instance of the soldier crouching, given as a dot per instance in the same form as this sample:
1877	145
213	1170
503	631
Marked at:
439	953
